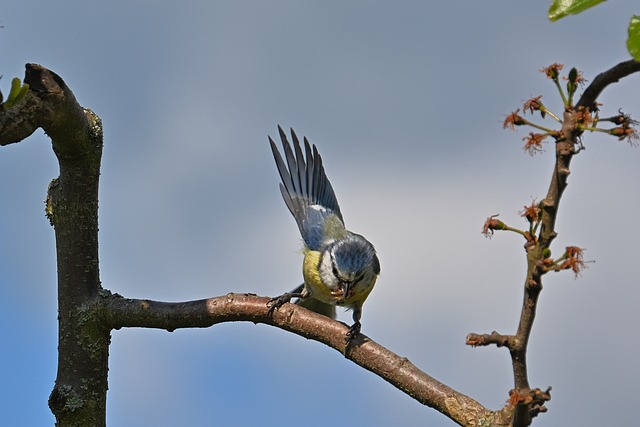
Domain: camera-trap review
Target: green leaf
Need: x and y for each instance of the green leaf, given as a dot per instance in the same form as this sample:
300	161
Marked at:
633	42
561	8
16	84
17	92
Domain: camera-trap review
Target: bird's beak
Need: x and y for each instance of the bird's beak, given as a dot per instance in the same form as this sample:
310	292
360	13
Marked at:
346	289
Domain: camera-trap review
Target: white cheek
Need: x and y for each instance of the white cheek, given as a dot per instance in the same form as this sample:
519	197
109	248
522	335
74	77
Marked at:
326	272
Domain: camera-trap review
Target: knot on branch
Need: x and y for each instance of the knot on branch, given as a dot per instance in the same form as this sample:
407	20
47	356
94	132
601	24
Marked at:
531	400
65	398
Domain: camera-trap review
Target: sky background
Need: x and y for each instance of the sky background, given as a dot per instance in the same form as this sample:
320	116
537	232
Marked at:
405	101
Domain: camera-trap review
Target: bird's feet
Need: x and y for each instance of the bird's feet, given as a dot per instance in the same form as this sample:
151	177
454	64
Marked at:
277	302
353	330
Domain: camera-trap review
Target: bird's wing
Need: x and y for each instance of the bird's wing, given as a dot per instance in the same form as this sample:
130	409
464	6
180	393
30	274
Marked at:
306	190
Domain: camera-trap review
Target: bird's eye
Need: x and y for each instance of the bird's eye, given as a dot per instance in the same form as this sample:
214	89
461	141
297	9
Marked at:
359	278
335	271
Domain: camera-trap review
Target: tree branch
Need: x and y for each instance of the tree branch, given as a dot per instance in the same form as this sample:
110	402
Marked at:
494	337
529	402
122	312
602	80
79	394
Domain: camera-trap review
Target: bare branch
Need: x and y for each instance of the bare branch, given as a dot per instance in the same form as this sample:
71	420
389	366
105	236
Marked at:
79	394
602	80
122	312
499	340
48	104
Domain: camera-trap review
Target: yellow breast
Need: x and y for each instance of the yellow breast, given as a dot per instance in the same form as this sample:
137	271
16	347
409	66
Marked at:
312	277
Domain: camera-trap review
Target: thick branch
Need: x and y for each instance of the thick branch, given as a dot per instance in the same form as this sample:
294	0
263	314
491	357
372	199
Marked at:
79	395
121	312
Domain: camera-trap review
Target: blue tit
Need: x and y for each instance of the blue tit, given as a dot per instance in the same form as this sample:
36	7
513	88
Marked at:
340	268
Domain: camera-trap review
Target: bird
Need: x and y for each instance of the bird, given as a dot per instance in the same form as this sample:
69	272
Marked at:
340	268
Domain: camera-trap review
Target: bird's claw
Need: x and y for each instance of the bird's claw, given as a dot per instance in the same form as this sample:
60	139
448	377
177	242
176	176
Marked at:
353	331
277	302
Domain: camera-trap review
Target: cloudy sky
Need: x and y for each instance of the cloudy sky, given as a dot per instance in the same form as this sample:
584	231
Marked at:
405	101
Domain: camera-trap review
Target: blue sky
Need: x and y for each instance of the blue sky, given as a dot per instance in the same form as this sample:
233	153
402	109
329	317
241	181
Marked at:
405	101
